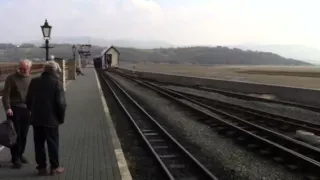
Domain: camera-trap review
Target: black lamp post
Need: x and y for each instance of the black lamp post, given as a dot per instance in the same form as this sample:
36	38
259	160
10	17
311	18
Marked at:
46	32
74	49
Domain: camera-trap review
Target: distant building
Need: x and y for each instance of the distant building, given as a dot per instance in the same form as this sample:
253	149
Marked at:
110	57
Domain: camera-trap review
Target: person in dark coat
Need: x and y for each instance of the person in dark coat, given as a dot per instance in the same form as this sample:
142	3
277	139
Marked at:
47	104
14	94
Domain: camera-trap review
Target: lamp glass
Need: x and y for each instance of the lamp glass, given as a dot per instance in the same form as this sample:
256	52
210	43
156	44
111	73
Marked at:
46	30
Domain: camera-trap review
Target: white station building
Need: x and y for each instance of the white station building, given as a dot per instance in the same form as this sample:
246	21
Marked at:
111	54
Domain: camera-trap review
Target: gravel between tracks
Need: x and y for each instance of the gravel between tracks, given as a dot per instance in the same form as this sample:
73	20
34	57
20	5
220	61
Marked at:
220	155
278	109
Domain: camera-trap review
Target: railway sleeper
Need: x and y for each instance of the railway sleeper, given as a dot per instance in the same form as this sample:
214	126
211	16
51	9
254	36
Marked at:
156	140
168	156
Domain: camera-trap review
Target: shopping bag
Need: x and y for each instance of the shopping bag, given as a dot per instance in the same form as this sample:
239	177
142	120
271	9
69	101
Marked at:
8	134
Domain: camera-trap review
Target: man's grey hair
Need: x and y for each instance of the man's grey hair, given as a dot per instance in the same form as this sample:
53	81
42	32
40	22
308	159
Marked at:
52	66
27	61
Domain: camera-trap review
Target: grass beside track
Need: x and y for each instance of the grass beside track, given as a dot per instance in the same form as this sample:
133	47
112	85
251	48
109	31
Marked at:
298	76
282	73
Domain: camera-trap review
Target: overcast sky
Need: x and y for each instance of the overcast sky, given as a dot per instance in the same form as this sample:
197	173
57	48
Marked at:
179	22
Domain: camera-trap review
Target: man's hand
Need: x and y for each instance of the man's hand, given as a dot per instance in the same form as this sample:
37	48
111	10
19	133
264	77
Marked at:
9	112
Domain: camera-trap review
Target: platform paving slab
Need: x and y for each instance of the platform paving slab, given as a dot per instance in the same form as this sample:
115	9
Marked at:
86	144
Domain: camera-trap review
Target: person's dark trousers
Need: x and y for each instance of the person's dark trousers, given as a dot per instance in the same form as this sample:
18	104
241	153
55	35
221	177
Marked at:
20	121
50	135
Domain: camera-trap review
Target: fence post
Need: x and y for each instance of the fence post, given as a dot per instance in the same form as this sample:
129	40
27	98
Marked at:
62	63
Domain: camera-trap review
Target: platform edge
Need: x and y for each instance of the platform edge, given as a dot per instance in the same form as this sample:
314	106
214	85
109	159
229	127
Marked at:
121	160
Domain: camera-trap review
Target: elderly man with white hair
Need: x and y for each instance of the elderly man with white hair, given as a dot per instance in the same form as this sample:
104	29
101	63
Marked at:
47	104
14	95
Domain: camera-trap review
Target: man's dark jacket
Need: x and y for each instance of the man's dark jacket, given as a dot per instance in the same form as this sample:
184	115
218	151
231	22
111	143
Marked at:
46	100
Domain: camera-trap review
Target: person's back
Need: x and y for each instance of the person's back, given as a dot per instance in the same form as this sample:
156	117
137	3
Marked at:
46	102
46	110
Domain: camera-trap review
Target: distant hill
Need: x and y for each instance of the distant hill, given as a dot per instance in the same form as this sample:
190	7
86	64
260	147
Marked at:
190	55
206	55
106	43
140	44
300	52
74	40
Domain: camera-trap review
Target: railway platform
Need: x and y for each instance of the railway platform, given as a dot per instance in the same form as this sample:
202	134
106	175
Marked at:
89	146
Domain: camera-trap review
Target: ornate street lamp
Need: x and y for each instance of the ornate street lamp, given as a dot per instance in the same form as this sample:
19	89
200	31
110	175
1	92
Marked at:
46	32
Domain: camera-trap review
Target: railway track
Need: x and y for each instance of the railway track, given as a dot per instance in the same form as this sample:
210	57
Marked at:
249	97
294	154
281	123
173	158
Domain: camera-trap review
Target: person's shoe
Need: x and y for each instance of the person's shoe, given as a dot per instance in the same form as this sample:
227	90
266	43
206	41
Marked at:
17	165
58	170
24	160
42	172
